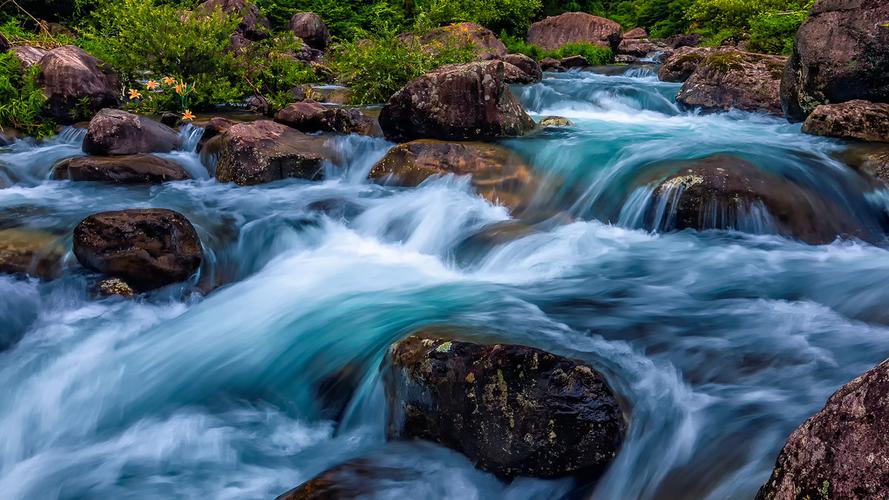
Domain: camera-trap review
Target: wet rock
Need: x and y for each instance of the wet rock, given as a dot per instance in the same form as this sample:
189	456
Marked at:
551	64
265	151
28	55
636	34
254	26
843	450
170	119
214	127
871	159
30	252
116	132
309	116
147	248
358	478
71	78
573	62
840	53
682	63
729	79
114	287
498	175
482	39
312	30
128	169
457	102
625	59
529	67
555	121
861	120
726	192
639	47
573	27
678	41
513	410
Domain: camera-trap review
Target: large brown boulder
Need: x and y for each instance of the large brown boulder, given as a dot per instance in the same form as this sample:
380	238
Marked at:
30	252
309	116
457	102
513	410
843	450
727	192
71	78
482	39
680	65
499	175
636	47
730	78
861	120
638	33
265	151
840	53
869	158
117	132
528	66
127	169
28	55
312	30
147	248
254	26
573	27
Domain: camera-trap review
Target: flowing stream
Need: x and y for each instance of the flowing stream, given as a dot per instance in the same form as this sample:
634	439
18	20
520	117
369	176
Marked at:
266	373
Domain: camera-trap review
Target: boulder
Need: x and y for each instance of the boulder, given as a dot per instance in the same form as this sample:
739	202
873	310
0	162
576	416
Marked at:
840	53
498	175
555	121
312	30
147	248
512	410
513	75
30	252
869	158
309	116
456	102
682	63
254	26
114	287
265	151
483	40
636	47
214	127
636	34
127	169
843	450
359	478
71	78
117	132
730	78
861	120
527	65
625	59
28	55
573	27
573	62
726	192
551	64
679	41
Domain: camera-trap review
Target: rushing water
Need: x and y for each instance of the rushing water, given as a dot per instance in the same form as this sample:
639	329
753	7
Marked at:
722	342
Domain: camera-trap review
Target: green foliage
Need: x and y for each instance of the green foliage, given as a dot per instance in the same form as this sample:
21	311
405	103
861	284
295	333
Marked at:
594	54
511	16
21	99
769	24
517	45
376	69
348	20
774	32
13	30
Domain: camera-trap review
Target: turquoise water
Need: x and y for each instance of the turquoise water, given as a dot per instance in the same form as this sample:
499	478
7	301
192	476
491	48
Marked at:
266	373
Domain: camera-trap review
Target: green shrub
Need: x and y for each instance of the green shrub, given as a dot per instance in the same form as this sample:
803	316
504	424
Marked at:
773	32
21	99
376	69
517	45
512	16
594	54
768	24
347	20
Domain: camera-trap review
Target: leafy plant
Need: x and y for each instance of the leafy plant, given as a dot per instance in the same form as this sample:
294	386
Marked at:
21	99
594	54
511	16
773	32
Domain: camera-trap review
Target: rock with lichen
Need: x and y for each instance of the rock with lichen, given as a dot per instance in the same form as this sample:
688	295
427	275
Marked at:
513	410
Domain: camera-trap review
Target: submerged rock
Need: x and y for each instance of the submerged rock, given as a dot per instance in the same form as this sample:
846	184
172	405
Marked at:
531	72
497	174
574	27
30	252
729	79
870	159
309	116
841	53
513	410
861	120
129	169
72	79
843	450
354	479
311	29
457	102
117	132
265	151
147	248
682	63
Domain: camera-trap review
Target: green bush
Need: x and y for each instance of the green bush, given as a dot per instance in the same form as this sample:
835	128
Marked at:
511	16
517	45
21	99
347	20
376	69
768	24
773	32
594	54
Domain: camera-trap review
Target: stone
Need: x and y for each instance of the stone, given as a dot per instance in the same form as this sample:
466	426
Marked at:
555	121
857	119
682	63
114	287
636	34
732	79
28	55
551	64
843	450
117	132
71	78
127	169
456	102
254	26
574	27
512	410
359	478
573	62
309	116
529	67
870	159
30	252
636	47
483	40
840	53
311	29
499	175
146	248
678	41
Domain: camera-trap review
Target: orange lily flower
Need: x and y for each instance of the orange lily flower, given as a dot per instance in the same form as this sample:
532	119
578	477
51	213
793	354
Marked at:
151	85
180	88
187	116
169	80
135	94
